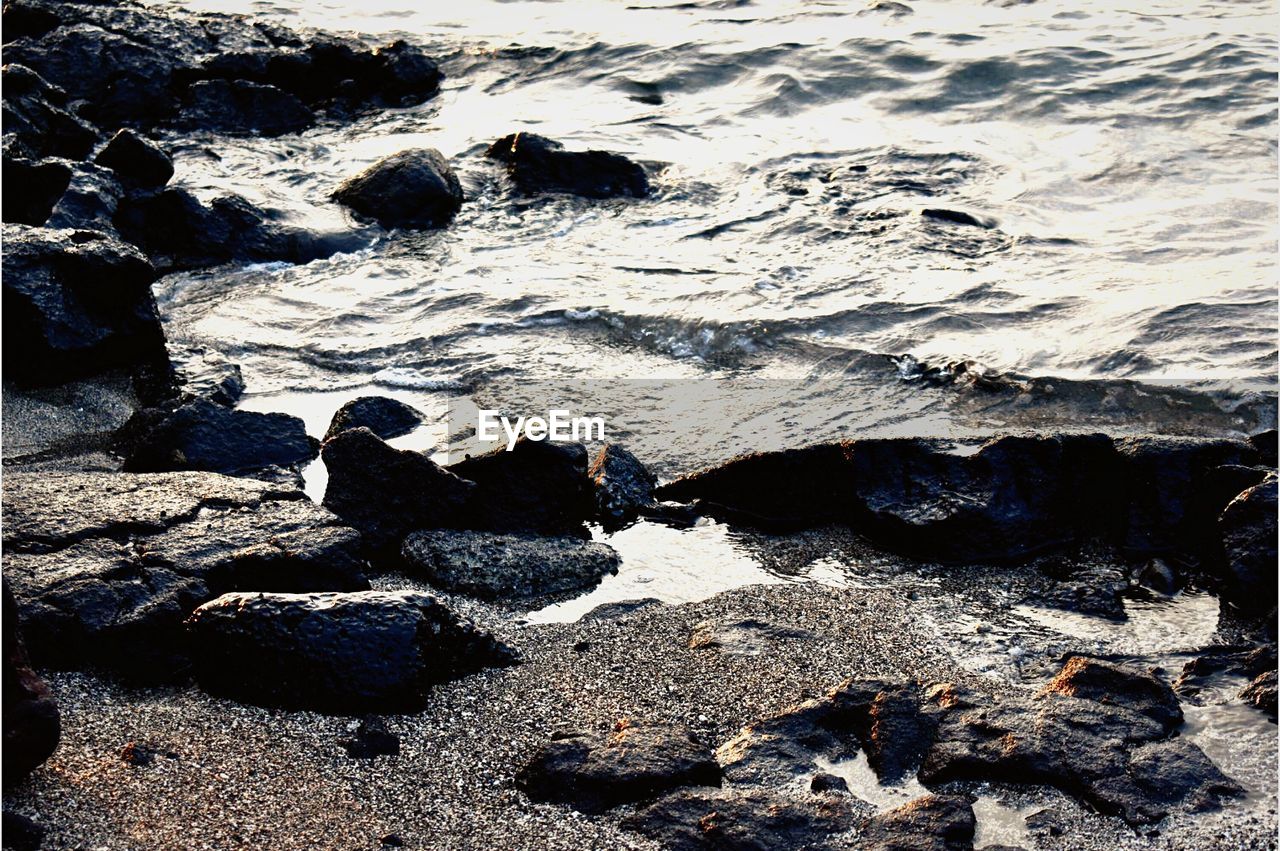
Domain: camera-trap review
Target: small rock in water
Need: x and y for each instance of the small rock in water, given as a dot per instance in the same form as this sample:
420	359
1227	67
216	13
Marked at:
538	164
956	217
411	189
387	418
1262	692
239	106
823	782
623	487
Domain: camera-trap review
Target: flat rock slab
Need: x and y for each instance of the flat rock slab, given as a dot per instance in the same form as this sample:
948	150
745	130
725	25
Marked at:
745	637
105	566
496	566
705	819
931	823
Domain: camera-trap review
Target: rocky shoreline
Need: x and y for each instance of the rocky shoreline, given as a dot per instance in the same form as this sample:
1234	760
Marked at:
199	655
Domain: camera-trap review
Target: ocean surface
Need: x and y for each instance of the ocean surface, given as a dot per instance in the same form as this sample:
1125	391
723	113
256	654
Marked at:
1123	159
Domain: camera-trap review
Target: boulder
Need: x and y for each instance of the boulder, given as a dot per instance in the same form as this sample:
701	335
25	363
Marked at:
728	820
411	189
90	200
387	418
32	187
1248	529
32	725
21	833
37	121
623	487
537	165
495	566
633	762
931	823
76	303
242	107
1261	692
1121	685
136	160
369	651
1265	442
538	487
387	493
105	566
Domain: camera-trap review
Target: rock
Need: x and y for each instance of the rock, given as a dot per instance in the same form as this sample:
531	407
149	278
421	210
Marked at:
372	739
1121	685
387	418
33	187
205	374
90	201
105	566
20	832
538	165
32	726
387	493
1262	692
136	160
37	123
823	783
242	107
1265	443
1091	589
538	488
411	189
956	217
620	609
931	823
1157	575
368	651
705	819
1248	529
745	637
1242	660
143	754
76	303
633	762
623	487
493	566
1046	822
1164	774
203	435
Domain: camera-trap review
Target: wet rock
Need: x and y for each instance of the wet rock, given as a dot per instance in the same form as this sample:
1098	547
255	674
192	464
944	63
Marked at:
387	493
623	487
1262	692
21	833
1241	660
90	201
37	122
411	189
1091	589
956	217
1121	685
539	487
931	823
32	187
823	783
1162	775
372	738
493	566
1248	529
537	164
1046	822
202	373
32	726
76	303
369	651
1157	575
1265	442
620	609
745	637
387	418
203	435
242	107
633	762
700	820
136	160
105	566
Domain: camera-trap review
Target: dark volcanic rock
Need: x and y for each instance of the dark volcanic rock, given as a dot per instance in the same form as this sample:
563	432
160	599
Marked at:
823	783
702	820
76	303
635	761
623	487
372	738
956	217
387	493
1262	692
931	823
411	189
32	187
538	164
136	160
36	120
1248	528
367	651
205	374
21	833
1091	589
1121	685
387	418
90	201
491	566
203	435
539	487
242	107
32	726
105	566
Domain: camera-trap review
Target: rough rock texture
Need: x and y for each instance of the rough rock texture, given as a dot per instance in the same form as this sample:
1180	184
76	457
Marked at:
538	165
387	493
700	820
387	418
635	761
1262	692
203	435
538	487
356	652
493	566
90	201
105	566
32	187
411	189
136	160
37	120
931	823
1248	528
1122	685
76	303
31	723
202	373
623	487
242	107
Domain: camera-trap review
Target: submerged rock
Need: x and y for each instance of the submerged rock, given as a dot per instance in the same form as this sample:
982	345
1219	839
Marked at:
411	189
32	725
387	418
1248	528
538	487
623	487
956	217
931	823
242	107
202	373
136	160
538	165
492	566
728	820
633	762
358	652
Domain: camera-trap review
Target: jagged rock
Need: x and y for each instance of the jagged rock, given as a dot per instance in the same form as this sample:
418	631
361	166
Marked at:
32	187
1248	529
824	783
369	651
701	820
745	637
92	196
623	487
1243	660
492	566
633	762
76	303
411	189
136	160
32	725
1121	685
205	374
105	566
1262	692
538	487
372	738
387	493
37	123
931	823
203	435
538	164
242	107
387	418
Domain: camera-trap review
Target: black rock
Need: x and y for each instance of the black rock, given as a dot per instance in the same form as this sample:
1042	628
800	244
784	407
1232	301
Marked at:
623	487
538	165
1248	529
370	651
32	187
20	832
136	160
1262	692
32	725
387	493
143	754
203	435
931	823
1121	685
956	217
411	189
725	820
1091	589
202	373
538	487
76	303
823	782
594	772
242	107
90	202
387	418
1265	442
37	123
372	739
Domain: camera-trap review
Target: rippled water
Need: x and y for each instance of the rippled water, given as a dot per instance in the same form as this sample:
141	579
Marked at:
1126	158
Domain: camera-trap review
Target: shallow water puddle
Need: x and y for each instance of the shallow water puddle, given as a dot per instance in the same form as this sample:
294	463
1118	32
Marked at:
1184	621
1240	740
